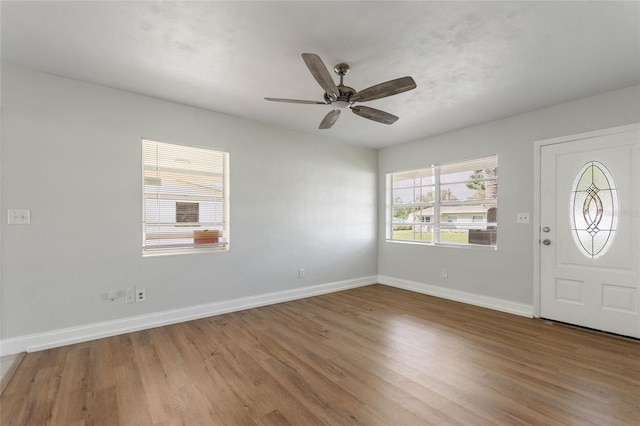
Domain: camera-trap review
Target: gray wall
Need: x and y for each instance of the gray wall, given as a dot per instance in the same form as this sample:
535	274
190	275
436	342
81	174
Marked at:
71	153
508	272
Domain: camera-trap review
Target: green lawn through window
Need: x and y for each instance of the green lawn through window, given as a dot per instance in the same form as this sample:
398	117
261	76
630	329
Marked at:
445	237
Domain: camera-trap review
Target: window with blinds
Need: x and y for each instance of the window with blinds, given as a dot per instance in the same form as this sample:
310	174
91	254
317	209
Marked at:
185	199
454	203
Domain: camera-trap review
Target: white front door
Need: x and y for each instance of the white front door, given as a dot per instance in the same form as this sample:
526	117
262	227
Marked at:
590	231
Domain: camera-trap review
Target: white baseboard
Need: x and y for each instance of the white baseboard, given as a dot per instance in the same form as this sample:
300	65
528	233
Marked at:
68	336
460	296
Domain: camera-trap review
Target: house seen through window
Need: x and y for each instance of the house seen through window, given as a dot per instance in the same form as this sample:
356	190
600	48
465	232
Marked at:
185	199
454	203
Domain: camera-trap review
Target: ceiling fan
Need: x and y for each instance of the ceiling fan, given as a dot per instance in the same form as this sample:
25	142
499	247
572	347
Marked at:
342	96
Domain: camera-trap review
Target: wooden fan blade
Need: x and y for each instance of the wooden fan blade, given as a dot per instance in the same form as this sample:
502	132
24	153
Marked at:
330	119
295	101
321	74
382	90
374	114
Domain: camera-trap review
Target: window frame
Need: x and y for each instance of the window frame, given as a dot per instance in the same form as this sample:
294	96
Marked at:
439	225
215	175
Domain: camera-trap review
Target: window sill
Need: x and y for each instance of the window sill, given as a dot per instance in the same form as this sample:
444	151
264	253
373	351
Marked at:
185	250
448	245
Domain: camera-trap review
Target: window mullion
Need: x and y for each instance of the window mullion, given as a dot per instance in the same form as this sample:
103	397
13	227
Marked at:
436	205
389	207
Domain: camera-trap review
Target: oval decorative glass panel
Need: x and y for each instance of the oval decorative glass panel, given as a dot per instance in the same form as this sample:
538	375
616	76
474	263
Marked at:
594	209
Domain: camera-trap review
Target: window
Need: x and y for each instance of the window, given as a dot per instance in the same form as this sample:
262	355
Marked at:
185	199
459	200
594	209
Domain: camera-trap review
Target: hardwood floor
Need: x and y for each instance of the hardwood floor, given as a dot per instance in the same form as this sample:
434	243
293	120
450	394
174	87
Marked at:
8	365
372	355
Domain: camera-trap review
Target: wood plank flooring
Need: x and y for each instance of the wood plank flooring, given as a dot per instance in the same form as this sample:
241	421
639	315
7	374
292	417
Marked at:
8	365
373	356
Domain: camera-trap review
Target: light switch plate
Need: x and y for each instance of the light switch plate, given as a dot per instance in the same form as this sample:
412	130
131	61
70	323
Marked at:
18	216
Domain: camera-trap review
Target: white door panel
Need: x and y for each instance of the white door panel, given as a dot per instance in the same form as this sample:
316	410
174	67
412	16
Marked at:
589	208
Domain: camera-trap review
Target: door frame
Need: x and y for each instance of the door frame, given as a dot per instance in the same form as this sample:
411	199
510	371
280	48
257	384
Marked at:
537	175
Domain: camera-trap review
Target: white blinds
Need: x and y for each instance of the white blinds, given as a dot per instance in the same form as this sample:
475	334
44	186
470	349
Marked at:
185	198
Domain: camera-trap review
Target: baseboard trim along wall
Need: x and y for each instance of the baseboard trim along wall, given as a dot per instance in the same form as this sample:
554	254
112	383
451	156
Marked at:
68	336
460	296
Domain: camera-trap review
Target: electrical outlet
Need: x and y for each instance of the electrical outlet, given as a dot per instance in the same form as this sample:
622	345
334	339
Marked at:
141	295
129	295
522	217
301	273
18	217
445	273
112	295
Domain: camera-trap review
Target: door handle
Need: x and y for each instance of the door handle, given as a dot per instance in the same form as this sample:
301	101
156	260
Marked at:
546	242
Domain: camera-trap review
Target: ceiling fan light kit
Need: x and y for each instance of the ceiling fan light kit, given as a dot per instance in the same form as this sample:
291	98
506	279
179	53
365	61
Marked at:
341	96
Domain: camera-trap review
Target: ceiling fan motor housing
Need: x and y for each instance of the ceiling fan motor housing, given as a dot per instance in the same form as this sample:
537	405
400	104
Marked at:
344	99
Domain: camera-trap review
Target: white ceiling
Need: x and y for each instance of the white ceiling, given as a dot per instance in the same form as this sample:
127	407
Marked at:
472	61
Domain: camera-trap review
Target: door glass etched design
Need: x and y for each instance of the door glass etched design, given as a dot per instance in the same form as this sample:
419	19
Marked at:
594	209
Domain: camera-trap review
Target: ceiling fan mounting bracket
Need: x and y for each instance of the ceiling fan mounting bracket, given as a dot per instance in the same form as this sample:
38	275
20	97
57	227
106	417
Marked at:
341	69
